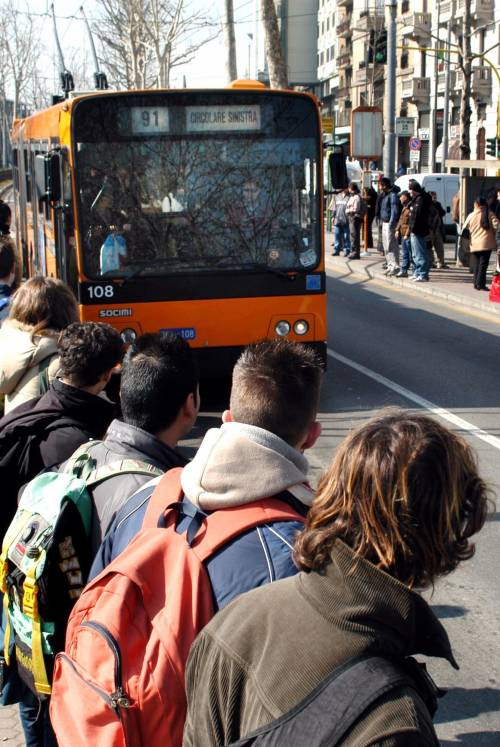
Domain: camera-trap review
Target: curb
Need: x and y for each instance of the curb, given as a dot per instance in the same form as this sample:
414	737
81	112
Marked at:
371	272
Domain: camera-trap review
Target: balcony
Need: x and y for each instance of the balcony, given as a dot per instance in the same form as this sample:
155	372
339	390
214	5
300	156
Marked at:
373	22
343	118
364	75
344	29
441	86
417	26
344	59
480	83
416	90
445	12
481	11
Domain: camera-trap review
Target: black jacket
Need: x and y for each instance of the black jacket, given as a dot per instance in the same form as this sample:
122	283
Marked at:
420	213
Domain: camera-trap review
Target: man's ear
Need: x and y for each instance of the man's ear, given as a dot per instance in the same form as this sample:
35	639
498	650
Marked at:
227	417
312	436
191	406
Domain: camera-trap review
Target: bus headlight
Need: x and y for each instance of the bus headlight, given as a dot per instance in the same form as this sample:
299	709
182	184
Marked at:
301	327
282	328
128	335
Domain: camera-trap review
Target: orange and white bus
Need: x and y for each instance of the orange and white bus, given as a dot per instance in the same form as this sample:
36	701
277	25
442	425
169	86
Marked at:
197	211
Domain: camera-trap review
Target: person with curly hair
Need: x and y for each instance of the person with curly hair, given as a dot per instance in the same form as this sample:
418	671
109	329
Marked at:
395	511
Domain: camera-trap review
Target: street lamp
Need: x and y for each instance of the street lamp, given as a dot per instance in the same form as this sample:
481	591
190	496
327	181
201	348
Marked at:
250	37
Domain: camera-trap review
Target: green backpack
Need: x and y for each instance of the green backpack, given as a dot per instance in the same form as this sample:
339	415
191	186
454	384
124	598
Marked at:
46	559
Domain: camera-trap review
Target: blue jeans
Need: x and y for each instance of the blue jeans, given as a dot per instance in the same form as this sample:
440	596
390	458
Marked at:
35	721
406	258
420	256
341	239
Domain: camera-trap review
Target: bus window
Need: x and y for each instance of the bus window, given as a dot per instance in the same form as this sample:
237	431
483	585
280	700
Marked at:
177	193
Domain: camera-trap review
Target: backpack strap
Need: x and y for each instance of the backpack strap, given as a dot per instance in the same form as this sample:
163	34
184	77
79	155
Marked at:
43	375
167	492
345	695
83	465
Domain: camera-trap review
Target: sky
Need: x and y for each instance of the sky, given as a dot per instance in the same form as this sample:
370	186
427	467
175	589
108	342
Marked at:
207	70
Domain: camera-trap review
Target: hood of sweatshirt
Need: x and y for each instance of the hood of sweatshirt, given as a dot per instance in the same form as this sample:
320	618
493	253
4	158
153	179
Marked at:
238	464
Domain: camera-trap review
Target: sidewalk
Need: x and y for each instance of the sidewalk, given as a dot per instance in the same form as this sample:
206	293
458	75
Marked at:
11	732
453	285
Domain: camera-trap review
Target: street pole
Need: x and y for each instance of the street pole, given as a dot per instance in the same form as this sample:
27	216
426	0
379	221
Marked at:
232	70
446	108
390	97
433	133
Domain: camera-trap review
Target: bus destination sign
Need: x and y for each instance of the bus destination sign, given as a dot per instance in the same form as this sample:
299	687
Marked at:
149	119
222	118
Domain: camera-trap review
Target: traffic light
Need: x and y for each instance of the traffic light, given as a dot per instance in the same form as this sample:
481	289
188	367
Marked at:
381	48
493	146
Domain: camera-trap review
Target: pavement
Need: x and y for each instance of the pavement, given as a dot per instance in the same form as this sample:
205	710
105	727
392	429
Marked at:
452	285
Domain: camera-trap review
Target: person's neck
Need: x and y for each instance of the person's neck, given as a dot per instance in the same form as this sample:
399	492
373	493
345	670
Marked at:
169	436
93	389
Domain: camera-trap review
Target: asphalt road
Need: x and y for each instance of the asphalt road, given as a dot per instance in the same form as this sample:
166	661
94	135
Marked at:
387	348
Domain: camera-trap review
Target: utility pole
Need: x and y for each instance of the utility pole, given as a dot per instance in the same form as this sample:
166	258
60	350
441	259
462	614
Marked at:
446	107
466	67
278	76
433	133
390	92
232	69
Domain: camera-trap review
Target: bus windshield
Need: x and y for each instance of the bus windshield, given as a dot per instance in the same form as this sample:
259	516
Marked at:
180	182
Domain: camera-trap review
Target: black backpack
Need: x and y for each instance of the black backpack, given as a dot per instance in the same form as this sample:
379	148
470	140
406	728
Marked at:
20	458
325	717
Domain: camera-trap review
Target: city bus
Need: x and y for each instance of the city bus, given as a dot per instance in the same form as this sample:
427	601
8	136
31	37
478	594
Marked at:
196	211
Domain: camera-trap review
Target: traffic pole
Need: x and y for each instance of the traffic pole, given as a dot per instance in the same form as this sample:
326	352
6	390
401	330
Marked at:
390	96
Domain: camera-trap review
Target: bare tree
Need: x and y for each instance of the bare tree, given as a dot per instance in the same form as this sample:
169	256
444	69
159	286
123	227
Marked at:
142	41
19	39
278	75
232	69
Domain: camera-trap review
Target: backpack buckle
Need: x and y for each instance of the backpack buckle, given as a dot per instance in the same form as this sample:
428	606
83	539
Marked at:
4	572
30	598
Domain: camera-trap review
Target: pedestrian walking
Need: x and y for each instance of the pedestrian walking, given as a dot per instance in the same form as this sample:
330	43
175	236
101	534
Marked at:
419	230
341	237
7	275
482	225
390	208
40	309
395	511
355	211
403	234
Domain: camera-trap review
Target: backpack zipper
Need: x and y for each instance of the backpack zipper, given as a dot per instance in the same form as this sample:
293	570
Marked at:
119	698
107	699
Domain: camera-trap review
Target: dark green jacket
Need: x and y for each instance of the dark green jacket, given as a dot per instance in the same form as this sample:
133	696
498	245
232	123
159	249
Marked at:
267	650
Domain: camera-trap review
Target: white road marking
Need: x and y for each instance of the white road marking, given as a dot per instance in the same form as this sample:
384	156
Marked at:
425	403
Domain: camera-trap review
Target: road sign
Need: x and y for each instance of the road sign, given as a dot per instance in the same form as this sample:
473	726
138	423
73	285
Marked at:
405	126
424	133
366	133
414	156
415	143
327	123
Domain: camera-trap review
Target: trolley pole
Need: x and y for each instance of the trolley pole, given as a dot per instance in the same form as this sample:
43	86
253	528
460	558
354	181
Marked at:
390	97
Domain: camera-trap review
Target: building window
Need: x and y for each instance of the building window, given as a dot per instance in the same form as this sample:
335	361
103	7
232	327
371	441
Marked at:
404	60
405	6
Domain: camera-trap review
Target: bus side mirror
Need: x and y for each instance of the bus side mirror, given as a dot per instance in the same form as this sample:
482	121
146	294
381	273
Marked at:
48	176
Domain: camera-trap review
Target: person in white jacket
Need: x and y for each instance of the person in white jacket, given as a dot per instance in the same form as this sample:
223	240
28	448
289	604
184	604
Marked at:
39	310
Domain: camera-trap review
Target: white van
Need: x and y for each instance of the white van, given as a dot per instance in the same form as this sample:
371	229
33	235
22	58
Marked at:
444	185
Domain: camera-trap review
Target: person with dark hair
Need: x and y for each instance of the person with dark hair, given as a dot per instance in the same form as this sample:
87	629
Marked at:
395	511
256	454
341	238
159	398
403	233
355	210
72	410
39	310
7	276
482	225
437	231
419	221
389	211
370	197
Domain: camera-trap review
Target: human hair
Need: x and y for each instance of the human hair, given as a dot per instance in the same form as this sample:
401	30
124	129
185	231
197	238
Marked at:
385	181
482	203
7	258
354	187
414	186
5	217
87	350
404	493
45	304
405	193
276	386
159	372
